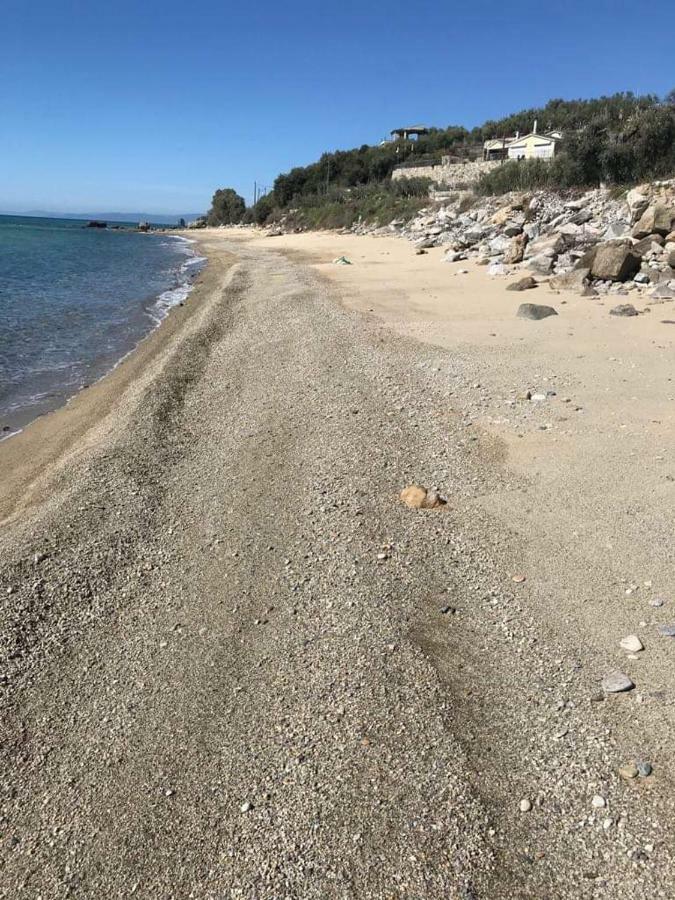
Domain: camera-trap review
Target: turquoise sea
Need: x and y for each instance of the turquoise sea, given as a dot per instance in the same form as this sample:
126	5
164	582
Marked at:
73	302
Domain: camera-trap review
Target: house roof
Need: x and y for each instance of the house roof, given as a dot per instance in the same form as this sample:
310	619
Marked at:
545	138
497	142
411	129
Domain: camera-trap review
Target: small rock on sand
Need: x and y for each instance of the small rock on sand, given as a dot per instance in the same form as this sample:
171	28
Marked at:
628	772
535	311
525	806
667	630
417	497
623	309
616	682
523	284
631	644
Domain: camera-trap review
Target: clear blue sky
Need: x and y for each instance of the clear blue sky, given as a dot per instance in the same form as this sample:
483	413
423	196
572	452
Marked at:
150	105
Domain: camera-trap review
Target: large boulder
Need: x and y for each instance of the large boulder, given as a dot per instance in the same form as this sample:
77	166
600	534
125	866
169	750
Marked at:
513	227
616	230
516	250
585	261
499	244
657	219
637	203
570	281
614	262
551	245
645	245
502	216
662	292
542	264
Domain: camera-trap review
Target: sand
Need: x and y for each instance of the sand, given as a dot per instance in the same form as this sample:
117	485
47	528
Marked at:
235	664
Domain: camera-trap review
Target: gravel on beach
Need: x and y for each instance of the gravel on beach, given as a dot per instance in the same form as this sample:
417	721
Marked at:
235	664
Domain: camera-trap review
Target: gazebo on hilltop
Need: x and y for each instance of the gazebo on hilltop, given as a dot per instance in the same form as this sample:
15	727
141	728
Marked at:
406	134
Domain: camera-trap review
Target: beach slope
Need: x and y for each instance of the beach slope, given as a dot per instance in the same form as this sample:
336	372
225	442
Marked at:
235	664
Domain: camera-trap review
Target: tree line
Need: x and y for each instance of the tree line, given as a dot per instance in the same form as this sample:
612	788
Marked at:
620	139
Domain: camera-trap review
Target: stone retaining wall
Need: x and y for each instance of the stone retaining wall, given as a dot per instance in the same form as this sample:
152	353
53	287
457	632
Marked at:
454	176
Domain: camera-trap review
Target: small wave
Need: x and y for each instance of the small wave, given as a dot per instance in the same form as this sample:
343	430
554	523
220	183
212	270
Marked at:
194	265
178	294
5	435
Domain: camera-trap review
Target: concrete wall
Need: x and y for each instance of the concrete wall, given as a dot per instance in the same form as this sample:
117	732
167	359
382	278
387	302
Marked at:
453	175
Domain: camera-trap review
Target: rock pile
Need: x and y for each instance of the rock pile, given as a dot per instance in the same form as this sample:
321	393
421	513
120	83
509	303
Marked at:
618	244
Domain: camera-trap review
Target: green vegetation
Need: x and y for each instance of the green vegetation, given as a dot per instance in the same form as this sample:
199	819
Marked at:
639	147
619	139
227	208
378	203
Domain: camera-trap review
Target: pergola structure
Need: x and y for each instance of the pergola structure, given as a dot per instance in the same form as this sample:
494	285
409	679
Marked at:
404	134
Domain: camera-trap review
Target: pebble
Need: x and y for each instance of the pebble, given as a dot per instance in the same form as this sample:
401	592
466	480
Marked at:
246	807
644	769
628	772
525	806
656	602
518	579
616	682
667	630
632	644
598	802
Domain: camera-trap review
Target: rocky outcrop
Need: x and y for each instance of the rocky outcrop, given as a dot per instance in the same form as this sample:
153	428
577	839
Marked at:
593	242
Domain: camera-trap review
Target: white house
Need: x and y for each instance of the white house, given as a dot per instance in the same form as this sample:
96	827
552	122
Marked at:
534	146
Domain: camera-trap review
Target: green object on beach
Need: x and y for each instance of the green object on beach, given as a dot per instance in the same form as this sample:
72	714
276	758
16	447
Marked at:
342	261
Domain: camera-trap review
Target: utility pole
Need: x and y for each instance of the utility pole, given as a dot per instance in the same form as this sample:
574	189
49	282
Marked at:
255	192
328	174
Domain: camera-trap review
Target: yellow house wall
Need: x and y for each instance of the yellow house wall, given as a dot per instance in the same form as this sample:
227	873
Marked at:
528	148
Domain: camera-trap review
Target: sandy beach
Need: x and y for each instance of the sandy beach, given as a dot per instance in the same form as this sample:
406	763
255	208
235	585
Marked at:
235	664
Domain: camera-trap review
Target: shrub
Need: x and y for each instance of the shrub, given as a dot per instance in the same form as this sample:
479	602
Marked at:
227	208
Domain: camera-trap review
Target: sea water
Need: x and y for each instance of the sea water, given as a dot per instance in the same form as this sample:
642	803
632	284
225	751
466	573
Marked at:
74	301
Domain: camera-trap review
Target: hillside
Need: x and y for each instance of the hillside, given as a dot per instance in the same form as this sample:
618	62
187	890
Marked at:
619	139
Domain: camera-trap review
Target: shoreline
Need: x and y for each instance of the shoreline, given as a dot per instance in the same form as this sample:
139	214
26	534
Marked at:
28	455
151	312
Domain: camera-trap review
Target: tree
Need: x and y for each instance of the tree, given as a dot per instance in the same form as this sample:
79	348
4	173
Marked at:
227	208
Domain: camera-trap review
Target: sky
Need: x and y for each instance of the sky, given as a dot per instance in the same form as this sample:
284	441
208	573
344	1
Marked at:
151	105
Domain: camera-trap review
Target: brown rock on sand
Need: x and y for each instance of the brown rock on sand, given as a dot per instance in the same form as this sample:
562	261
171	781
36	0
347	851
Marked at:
417	497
